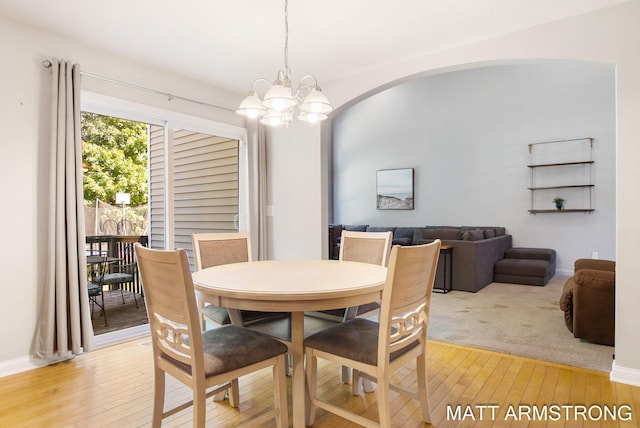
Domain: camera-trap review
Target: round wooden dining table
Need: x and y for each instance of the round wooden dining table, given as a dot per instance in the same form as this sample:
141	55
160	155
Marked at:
293	286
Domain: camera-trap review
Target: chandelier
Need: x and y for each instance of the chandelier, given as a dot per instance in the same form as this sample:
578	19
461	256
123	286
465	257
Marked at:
280	101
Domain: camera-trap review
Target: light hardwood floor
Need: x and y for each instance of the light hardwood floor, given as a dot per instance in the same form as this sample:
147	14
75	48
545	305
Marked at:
113	387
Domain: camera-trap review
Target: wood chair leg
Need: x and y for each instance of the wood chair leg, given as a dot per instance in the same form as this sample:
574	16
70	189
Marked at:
384	403
234	393
280	392
355	382
158	397
312	372
346	374
358	384
199	405
423	388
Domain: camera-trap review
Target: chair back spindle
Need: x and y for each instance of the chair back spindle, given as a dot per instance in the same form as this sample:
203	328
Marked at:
406	296
171	305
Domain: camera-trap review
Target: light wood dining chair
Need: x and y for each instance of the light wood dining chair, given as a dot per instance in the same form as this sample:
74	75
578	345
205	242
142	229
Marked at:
376	350
214	249
207	362
363	247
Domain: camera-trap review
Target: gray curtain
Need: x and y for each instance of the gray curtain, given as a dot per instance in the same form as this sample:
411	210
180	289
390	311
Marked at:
262	194
64	326
258	188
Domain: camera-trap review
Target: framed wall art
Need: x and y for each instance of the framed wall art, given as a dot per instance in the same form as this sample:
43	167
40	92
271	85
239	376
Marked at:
394	189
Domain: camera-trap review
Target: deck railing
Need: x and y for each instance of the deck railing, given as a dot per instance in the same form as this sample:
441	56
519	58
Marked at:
121	247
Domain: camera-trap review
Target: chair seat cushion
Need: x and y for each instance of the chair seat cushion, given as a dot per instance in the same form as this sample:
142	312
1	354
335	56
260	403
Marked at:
356	339
231	347
217	314
94	289
114	278
220	315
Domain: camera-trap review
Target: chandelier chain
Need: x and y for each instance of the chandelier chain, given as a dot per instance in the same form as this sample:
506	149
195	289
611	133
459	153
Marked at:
286	37
281	100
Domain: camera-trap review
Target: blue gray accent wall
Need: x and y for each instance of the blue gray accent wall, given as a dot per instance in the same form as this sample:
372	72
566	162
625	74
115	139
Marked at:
466	134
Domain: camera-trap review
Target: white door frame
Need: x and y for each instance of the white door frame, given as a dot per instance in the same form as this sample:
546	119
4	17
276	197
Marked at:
111	106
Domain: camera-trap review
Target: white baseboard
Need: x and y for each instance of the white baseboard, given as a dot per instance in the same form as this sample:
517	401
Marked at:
24	364
119	336
624	375
17	365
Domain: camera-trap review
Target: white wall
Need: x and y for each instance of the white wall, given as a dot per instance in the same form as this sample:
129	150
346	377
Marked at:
294	192
24	86
609	36
466	134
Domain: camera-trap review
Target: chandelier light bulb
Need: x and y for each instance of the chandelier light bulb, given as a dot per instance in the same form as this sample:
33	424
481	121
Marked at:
274	118
251	106
316	102
279	98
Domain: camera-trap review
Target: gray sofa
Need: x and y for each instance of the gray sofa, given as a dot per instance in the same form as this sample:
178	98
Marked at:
476	249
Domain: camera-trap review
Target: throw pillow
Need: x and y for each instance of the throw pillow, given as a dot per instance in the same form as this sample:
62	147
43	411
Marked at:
402	241
473	235
489	233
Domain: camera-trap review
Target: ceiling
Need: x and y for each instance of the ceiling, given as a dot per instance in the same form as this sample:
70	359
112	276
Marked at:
231	43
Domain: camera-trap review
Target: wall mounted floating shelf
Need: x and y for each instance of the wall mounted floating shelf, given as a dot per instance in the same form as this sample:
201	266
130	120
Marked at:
565	166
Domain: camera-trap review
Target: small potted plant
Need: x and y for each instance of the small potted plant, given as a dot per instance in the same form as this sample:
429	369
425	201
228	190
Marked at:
559	202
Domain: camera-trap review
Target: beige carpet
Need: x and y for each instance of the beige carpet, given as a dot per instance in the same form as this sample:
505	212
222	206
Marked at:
514	319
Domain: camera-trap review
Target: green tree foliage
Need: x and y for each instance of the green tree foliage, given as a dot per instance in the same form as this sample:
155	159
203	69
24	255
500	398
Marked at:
114	158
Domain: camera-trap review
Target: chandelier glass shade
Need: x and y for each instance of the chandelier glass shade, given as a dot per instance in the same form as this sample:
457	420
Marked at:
280	101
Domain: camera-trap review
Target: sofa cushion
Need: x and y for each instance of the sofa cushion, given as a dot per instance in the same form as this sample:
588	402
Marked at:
499	231
524	267
523	271
404	236
444	233
531	253
489	233
402	241
404	232
473	235
381	229
356	227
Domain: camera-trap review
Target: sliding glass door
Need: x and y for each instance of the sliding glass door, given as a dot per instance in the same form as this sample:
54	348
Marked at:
197	173
194	185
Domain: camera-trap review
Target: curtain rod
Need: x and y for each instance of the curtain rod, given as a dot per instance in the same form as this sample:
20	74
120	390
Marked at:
47	64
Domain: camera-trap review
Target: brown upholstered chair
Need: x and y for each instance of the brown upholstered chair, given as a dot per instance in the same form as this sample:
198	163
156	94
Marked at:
588	301
376	350
201	360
